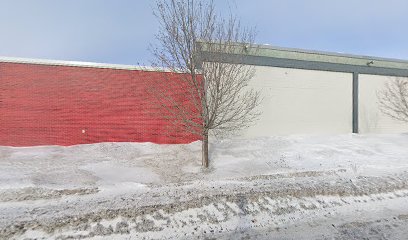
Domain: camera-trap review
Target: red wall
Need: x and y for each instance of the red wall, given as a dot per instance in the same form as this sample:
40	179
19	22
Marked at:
52	105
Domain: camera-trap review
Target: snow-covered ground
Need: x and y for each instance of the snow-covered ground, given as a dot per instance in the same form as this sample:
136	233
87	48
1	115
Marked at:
297	187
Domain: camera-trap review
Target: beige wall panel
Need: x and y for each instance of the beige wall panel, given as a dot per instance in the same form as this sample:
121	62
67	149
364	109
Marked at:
302	102
371	120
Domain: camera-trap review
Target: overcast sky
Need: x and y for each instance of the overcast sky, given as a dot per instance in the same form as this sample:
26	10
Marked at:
119	31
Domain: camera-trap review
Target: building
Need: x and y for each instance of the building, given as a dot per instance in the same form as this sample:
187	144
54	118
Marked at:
310	92
45	102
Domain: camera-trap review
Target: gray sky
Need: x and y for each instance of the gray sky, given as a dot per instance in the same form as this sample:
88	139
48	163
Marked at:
119	31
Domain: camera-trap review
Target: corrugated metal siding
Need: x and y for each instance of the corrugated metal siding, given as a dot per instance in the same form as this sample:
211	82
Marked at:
371	119
302	102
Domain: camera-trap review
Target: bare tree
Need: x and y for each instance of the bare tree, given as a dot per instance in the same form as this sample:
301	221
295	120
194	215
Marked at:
393	99
217	99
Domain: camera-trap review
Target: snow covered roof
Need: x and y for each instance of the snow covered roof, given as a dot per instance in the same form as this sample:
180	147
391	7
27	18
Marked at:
79	64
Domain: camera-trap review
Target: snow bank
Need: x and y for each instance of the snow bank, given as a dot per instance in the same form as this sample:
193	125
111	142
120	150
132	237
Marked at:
297	186
107	164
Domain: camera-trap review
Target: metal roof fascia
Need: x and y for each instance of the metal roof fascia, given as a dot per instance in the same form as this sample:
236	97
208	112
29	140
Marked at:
317	64
50	62
304	59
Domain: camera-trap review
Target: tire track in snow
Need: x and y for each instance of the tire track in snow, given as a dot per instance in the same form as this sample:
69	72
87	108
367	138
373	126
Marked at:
206	210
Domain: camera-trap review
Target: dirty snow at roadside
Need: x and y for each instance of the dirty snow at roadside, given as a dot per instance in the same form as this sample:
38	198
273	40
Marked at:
297	187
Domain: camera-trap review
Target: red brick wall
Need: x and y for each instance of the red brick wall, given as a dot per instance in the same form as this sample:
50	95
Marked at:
62	105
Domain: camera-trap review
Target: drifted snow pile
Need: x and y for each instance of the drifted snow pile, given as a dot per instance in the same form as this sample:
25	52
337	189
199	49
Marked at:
302	187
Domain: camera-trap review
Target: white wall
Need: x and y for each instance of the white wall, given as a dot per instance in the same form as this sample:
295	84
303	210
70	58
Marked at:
302	102
371	120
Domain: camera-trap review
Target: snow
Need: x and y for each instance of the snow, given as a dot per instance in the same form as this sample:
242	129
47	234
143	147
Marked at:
109	172
303	187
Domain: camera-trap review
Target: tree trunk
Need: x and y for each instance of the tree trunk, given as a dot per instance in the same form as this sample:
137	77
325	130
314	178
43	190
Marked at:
205	151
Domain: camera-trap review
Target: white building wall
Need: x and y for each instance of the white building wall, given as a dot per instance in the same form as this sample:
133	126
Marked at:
371	120
299	101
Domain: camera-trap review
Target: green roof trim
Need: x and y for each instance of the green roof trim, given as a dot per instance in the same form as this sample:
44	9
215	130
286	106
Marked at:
328	57
266	55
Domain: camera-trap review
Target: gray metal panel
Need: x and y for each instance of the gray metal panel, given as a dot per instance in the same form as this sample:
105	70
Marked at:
263	47
355	102
306	55
309	65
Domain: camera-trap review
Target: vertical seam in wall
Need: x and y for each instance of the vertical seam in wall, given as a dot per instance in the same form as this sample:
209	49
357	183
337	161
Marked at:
355	102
